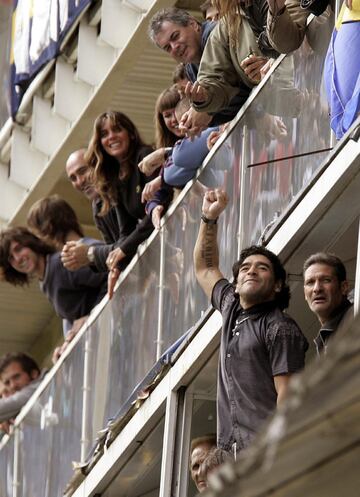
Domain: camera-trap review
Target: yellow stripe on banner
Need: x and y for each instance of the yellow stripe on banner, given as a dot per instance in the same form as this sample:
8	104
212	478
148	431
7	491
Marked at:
347	15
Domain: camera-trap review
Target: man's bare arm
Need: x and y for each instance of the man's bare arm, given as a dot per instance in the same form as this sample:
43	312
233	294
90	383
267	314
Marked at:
281	385
206	253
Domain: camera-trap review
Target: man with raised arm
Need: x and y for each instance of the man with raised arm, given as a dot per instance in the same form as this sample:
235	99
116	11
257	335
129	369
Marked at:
261	346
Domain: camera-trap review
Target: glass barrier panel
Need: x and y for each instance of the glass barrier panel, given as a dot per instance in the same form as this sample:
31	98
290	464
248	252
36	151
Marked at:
51	432
123	341
7	468
286	133
184	300
140	476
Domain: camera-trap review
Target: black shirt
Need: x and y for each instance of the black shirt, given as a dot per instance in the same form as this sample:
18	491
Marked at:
256	344
126	224
344	313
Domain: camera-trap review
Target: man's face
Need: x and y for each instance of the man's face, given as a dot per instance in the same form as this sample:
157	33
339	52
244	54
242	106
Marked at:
15	378
79	173
323	291
212	14
197	457
183	43
23	259
256	281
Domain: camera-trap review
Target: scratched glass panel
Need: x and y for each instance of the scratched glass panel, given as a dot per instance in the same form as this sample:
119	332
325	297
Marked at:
7	468
122	345
50	434
184	300
286	135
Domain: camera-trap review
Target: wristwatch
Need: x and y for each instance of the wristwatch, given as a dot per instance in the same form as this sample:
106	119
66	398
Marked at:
90	254
206	220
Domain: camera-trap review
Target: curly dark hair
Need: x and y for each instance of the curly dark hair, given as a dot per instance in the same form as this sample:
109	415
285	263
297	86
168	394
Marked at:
27	363
106	169
283	297
25	238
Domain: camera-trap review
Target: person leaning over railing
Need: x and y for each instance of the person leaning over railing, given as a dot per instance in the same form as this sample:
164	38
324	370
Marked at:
113	154
73	295
183	161
181	36
54	220
209	11
167	133
20	376
236	54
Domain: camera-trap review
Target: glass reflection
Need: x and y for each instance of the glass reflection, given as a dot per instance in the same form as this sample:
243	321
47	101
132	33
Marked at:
6	468
270	155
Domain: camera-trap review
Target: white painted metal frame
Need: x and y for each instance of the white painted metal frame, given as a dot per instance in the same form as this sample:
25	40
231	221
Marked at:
159	337
316	201
85	439
169	444
357	277
182	373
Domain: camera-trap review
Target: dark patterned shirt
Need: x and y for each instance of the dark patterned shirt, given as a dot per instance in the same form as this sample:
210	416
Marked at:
256	344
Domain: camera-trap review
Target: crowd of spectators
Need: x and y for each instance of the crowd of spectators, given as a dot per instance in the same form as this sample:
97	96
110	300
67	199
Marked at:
130	185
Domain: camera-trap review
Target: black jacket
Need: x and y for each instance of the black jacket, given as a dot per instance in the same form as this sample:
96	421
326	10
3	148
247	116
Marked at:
126	224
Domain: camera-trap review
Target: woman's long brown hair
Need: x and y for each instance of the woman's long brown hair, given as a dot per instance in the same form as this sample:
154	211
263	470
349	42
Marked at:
167	99
230	10
106	169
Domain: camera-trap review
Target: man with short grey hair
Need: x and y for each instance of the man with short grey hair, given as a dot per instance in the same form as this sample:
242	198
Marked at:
181	36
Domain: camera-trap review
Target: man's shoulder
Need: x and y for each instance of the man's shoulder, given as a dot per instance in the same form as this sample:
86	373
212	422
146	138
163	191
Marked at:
223	296
279	321
276	315
206	28
280	324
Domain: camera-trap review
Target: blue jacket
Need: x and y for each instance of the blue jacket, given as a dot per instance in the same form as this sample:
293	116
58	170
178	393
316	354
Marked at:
187	156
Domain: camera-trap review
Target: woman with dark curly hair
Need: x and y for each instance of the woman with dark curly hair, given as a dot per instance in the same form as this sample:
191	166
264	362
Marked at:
73	294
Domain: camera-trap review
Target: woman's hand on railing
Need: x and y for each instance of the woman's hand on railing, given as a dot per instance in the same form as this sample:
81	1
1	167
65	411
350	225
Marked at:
77	324
112	261
215	135
153	161
150	189
156	216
